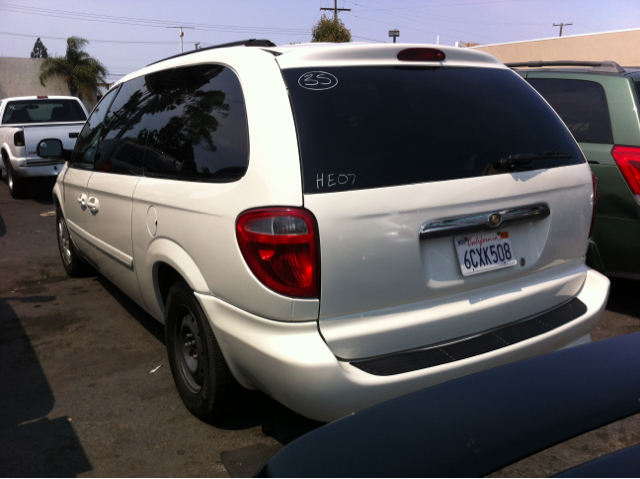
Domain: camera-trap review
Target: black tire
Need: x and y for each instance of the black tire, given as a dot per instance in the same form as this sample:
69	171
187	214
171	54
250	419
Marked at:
18	186
199	370
73	263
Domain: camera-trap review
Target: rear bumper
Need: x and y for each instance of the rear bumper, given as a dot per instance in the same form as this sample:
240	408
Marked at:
291	362
31	169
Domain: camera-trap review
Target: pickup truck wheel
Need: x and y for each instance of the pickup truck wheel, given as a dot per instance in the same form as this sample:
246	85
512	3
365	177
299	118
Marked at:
18	186
73	264
199	370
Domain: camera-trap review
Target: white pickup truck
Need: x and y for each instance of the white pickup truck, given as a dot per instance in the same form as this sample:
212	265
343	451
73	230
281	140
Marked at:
24	121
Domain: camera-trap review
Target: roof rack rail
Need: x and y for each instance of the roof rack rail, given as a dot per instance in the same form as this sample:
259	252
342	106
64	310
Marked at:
605	66
252	42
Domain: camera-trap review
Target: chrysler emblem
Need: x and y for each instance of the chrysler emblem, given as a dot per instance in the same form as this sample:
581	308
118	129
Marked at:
495	219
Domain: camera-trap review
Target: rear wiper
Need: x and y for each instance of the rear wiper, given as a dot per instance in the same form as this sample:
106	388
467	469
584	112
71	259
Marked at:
523	158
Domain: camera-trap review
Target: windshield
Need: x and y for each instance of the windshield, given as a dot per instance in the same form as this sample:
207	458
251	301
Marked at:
42	111
371	127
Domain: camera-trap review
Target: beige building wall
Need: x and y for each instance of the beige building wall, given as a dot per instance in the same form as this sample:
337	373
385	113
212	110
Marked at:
20	77
622	47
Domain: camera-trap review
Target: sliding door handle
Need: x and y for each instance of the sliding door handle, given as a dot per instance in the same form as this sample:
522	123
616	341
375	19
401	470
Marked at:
93	204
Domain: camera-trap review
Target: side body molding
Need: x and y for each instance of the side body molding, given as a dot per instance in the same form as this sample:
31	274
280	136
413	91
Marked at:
163	250
106	248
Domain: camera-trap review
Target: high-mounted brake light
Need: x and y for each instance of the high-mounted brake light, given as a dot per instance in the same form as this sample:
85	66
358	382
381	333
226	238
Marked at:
41	97
594	181
421	55
628	160
280	247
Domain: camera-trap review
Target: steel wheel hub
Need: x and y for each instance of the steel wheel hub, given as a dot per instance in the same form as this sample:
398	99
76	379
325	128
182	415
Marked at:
189	351
64	242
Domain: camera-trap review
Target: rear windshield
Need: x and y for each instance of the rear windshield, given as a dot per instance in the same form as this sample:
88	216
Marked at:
371	127
42	111
581	104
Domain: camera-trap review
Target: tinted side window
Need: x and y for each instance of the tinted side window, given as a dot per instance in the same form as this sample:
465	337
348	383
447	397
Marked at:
581	104
86	145
121	147
199	130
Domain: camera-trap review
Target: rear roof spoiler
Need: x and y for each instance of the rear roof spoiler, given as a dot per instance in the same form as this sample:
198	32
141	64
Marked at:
252	42
604	66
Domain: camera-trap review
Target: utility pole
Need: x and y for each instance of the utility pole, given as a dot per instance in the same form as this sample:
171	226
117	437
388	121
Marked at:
562	25
182	35
336	10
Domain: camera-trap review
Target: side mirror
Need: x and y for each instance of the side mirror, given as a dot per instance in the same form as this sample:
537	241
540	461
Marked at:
51	148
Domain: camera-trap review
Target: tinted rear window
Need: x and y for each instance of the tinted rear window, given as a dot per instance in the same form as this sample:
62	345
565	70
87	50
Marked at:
373	127
581	104
42	111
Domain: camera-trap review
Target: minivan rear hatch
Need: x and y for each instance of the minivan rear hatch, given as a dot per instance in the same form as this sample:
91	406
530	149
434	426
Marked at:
449	201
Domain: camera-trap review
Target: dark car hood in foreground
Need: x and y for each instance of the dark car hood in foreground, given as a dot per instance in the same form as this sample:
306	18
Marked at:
477	424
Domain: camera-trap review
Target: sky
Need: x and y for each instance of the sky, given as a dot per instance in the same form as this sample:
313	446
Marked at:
126	35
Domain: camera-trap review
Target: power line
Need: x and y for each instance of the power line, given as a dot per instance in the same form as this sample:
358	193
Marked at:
446	18
562	25
413	19
387	23
182	36
424	23
370	39
308	31
438	5
92	41
336	10
145	22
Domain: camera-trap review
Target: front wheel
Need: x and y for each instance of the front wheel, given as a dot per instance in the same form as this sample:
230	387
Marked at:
73	264
199	370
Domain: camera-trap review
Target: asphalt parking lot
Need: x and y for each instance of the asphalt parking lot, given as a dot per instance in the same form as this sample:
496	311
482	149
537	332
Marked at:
86	389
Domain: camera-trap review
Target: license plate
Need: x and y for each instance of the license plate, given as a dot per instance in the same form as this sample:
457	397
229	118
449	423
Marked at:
484	252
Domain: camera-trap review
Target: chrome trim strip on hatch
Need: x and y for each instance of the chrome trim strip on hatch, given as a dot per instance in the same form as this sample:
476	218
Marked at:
482	221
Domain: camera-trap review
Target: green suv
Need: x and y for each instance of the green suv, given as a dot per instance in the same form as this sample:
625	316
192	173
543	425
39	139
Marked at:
600	106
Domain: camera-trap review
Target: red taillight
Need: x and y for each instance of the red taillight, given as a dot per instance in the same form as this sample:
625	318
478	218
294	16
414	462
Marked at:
18	138
594	180
628	161
42	96
421	55
280	247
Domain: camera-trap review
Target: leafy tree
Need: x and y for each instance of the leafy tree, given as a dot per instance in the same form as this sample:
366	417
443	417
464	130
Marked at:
77	68
39	50
330	30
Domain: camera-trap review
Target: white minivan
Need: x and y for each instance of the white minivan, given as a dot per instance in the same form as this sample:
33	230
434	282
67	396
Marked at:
335	225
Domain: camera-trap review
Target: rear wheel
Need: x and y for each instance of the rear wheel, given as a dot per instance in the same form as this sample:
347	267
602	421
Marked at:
199	370
18	186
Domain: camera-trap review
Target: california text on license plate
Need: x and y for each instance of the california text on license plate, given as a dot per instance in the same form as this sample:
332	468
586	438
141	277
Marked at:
482	252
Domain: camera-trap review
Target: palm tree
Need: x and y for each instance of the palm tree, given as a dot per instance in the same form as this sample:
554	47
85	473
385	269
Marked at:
78	69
